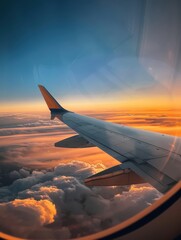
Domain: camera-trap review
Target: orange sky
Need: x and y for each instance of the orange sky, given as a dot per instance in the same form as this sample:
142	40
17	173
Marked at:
116	102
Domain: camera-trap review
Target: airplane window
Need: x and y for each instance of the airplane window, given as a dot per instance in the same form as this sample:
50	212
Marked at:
90	119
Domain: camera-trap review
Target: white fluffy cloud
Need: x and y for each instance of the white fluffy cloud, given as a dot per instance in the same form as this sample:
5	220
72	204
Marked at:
72	209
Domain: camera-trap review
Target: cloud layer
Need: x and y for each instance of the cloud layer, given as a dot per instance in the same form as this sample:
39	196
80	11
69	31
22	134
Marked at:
46	200
57	202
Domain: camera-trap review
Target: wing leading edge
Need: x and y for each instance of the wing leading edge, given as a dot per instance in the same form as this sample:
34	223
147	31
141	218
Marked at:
145	156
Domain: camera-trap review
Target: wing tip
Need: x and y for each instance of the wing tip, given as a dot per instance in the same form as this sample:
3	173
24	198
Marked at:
51	102
40	86
49	99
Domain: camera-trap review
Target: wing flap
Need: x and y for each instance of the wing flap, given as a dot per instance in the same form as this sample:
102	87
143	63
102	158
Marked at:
74	142
115	176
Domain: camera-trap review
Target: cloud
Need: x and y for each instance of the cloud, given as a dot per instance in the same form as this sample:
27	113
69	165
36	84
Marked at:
26	120
14	175
78	210
26	215
37	150
76	169
29	124
34	130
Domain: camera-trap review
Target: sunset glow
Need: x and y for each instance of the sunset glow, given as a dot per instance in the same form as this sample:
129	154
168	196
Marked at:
118	103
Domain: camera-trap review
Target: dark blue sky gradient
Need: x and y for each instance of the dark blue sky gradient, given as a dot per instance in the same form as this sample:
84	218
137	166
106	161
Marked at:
85	47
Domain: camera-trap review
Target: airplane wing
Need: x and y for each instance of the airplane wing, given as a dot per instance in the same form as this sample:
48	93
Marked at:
144	156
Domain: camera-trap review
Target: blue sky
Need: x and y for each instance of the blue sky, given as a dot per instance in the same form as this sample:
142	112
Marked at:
86	48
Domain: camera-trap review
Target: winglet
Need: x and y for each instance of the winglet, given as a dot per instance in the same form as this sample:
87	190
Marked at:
52	104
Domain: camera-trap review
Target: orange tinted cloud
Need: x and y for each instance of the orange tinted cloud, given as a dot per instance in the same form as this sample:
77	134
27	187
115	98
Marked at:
79	210
38	150
26	215
33	144
44	208
163	121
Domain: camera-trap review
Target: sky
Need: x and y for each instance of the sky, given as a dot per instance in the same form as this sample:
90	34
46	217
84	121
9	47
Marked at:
120	54
114	60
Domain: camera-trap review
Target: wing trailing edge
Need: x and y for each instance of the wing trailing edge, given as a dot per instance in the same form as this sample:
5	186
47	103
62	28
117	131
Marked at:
114	176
